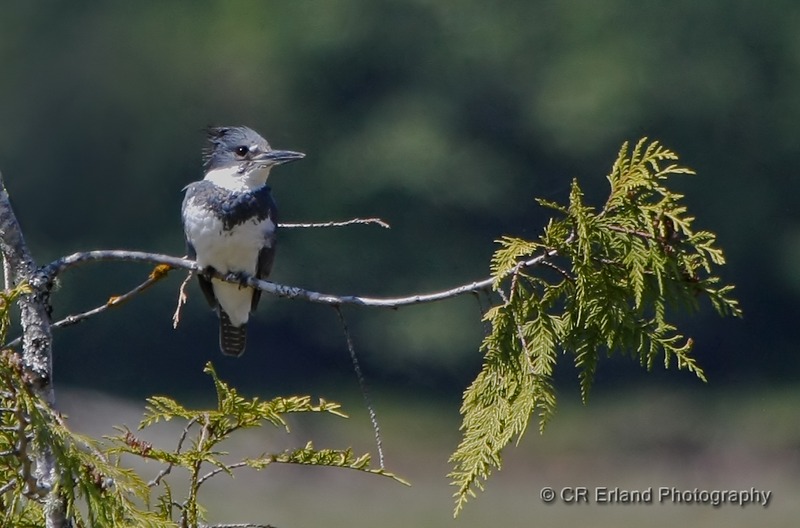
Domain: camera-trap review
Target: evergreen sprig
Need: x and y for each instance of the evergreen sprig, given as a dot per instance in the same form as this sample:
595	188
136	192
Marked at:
99	491
607	282
310	456
203	459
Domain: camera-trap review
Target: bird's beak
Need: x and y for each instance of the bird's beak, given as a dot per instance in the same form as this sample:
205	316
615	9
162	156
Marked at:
277	157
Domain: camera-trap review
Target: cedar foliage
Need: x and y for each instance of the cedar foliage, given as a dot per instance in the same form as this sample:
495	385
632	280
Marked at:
100	492
606	281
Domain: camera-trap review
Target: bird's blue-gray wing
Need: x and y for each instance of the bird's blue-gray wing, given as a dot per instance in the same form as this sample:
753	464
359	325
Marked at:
266	257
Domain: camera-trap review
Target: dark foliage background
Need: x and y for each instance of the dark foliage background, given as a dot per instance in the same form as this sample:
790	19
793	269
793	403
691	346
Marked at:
444	119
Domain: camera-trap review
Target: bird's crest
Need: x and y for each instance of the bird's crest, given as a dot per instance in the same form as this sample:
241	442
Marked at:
214	134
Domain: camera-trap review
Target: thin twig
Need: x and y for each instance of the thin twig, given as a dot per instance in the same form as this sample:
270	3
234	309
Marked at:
116	300
561	271
343	223
362	383
190	507
166	471
487	325
520	332
176	317
59	419
218	470
625	230
8	486
31	488
156	275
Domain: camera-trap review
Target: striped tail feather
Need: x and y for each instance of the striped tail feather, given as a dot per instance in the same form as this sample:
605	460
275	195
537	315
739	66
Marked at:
232	339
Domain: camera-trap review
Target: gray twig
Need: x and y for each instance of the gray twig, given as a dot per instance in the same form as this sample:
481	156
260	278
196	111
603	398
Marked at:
376	221
362	383
219	470
166	471
8	486
112	302
176	317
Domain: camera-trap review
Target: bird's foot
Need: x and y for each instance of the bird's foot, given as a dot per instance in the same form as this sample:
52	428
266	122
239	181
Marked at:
240	277
208	272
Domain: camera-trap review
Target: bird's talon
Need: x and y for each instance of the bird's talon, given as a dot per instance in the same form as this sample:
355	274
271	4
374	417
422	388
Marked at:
241	277
208	272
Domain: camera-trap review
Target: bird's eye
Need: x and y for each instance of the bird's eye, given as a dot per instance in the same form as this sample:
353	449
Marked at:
242	151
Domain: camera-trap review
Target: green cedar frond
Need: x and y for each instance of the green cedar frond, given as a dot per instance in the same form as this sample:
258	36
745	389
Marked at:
552	205
96	491
206	429
234	411
622	271
507	257
7	299
586	359
308	455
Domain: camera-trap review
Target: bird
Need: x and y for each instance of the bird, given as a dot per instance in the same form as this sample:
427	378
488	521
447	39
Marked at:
229	222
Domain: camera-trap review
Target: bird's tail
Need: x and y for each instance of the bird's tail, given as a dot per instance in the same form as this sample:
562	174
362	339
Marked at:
232	339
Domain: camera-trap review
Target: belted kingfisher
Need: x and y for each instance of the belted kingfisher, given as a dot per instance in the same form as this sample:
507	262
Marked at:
229	220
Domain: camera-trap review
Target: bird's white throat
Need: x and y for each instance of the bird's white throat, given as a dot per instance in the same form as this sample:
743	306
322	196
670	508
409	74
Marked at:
231	179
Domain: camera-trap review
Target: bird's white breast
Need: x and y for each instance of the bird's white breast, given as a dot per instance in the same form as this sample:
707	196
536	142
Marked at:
233	250
227	251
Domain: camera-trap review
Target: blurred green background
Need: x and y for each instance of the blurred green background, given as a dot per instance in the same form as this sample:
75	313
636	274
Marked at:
446	119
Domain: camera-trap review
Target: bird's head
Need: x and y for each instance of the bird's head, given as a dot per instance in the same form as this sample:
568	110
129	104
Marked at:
238	158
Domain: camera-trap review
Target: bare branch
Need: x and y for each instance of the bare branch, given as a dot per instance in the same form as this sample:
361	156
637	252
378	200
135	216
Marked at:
279	290
288	292
376	221
57	266
112	301
166	262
